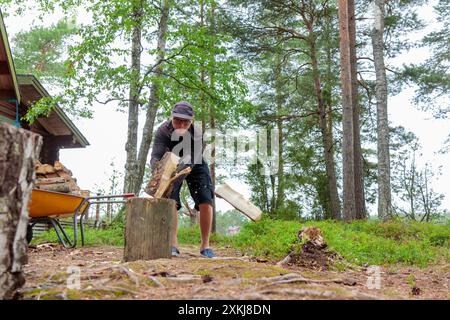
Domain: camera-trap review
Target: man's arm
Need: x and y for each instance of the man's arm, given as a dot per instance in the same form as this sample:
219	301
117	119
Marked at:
161	145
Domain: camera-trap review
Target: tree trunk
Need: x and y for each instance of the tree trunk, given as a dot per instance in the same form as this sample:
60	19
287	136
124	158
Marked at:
148	228
327	138
279	122
348	154
97	214
153	103
360	203
280	174
212	120
19	152
131	164
384	176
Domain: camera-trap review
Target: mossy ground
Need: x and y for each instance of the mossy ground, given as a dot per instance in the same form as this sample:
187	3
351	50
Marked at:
360	242
401	250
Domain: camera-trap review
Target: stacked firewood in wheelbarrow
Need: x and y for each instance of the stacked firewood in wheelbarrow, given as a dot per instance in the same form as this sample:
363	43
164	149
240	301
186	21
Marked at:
56	178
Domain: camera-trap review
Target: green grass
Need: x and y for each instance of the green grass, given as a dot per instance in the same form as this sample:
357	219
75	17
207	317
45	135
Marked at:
113	236
359	242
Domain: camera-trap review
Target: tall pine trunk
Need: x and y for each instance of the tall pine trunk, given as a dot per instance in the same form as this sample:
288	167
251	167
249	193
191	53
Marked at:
384	179
131	164
348	152
327	138
360	204
279	123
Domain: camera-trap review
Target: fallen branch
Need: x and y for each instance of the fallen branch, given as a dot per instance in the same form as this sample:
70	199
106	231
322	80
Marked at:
301	292
295	278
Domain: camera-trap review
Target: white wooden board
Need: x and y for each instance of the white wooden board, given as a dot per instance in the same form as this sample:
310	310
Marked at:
236	199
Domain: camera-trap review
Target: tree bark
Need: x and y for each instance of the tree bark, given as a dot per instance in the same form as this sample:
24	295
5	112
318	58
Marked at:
348	154
384	176
19	152
360	203
279	122
212	119
327	138
131	164
153	103
148	228
97	214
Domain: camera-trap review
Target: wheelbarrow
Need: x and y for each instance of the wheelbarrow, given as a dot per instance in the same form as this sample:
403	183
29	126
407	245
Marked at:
47	206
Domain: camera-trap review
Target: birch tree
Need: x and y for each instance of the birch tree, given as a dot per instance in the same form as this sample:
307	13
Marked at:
384	179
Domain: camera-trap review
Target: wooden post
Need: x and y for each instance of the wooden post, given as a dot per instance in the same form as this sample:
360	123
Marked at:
148	228
97	215
108	212
19	152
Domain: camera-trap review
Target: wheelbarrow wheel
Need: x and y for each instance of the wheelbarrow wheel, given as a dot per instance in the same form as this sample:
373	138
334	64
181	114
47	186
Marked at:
29	233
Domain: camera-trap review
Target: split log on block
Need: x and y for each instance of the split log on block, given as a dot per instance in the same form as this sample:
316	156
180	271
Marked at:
57	187
44	181
238	201
148	228
159	184
19	151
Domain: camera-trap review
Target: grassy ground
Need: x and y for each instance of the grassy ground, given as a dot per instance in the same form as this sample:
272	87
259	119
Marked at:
359	242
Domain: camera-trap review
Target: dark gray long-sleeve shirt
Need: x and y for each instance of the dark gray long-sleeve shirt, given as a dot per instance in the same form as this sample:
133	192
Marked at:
166	139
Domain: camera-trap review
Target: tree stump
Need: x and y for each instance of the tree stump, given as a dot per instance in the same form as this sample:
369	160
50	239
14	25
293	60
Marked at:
19	151
148	228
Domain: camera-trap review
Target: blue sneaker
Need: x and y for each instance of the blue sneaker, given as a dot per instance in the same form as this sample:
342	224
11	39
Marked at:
175	252
207	253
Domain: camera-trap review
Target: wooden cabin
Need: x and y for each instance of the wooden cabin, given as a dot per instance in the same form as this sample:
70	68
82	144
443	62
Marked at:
17	95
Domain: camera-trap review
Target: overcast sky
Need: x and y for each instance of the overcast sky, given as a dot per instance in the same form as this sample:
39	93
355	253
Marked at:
107	131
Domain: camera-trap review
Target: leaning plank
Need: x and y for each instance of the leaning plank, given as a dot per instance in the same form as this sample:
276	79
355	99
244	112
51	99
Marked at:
19	150
236	199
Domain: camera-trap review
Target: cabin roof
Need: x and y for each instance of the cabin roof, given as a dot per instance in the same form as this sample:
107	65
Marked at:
57	123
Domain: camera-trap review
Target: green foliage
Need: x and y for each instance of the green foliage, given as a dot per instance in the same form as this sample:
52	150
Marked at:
191	235
40	51
268	238
412	185
360	242
230	218
113	236
431	78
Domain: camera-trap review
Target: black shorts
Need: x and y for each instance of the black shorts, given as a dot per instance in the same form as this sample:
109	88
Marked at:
200	186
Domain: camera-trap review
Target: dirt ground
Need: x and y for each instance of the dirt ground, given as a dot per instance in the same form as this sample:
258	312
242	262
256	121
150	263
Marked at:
53	272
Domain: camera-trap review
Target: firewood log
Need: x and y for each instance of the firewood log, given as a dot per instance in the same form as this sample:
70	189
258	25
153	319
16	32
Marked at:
42	181
57	187
45	169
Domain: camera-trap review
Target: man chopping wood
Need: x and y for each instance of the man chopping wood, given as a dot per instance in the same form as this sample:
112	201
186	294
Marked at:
190	149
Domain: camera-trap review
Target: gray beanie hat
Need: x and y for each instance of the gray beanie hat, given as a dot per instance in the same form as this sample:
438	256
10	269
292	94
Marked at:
183	110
